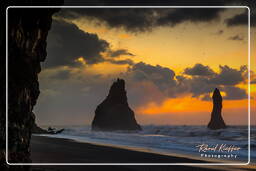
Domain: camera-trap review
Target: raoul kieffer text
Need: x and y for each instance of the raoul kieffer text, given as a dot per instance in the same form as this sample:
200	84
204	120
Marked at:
217	148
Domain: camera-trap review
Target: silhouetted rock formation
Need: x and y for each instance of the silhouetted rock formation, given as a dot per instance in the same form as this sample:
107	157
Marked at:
216	121
37	130
27	34
114	112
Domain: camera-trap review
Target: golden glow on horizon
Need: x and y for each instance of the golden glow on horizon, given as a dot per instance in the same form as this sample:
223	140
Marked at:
188	105
172	105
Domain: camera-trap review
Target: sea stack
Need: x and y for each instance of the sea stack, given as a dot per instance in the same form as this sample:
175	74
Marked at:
114	112
216	121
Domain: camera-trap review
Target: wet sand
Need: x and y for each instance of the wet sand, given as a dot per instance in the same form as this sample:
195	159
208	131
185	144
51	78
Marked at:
58	150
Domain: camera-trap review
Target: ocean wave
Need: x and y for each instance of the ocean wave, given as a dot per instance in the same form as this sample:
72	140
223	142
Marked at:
178	139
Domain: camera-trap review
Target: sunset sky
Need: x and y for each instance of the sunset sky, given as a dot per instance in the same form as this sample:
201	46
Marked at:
171	60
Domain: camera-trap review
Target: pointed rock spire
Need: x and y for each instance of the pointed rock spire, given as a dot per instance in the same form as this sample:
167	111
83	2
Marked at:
216	121
114	112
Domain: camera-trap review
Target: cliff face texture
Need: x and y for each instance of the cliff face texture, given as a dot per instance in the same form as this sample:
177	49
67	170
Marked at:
114	112
216	121
27	33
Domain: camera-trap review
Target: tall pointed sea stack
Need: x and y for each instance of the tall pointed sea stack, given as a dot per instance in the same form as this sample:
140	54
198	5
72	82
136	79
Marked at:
114	112
216	121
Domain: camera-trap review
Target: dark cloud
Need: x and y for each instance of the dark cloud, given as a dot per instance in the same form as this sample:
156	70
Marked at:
120	52
236	37
196	85
162	72
240	19
200	86
66	43
163	77
203	80
142	19
189	14
200	70
130	19
226	79
121	62
234	93
229	76
148	83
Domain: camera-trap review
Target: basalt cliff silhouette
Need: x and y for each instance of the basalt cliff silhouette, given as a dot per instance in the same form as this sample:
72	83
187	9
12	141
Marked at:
114	112
216	121
27	34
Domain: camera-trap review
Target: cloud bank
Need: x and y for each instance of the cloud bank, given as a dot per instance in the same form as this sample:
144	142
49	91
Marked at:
76	91
143	19
67	43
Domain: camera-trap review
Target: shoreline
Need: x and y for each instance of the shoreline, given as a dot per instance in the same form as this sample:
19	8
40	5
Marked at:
60	150
147	150
136	149
40	144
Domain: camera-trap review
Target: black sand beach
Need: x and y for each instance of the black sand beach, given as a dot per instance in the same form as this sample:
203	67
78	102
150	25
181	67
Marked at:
56	150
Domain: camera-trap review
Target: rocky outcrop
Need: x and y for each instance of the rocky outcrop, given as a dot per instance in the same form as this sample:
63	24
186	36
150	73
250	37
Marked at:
114	112
37	130
216	121
27	33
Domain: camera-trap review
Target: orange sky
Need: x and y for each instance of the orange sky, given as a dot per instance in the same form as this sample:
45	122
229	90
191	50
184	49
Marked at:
188	104
178	48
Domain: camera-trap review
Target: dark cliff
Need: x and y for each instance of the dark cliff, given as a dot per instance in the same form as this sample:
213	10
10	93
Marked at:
114	112
216	121
27	33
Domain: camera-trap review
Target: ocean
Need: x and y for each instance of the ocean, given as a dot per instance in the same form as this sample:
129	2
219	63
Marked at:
230	144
